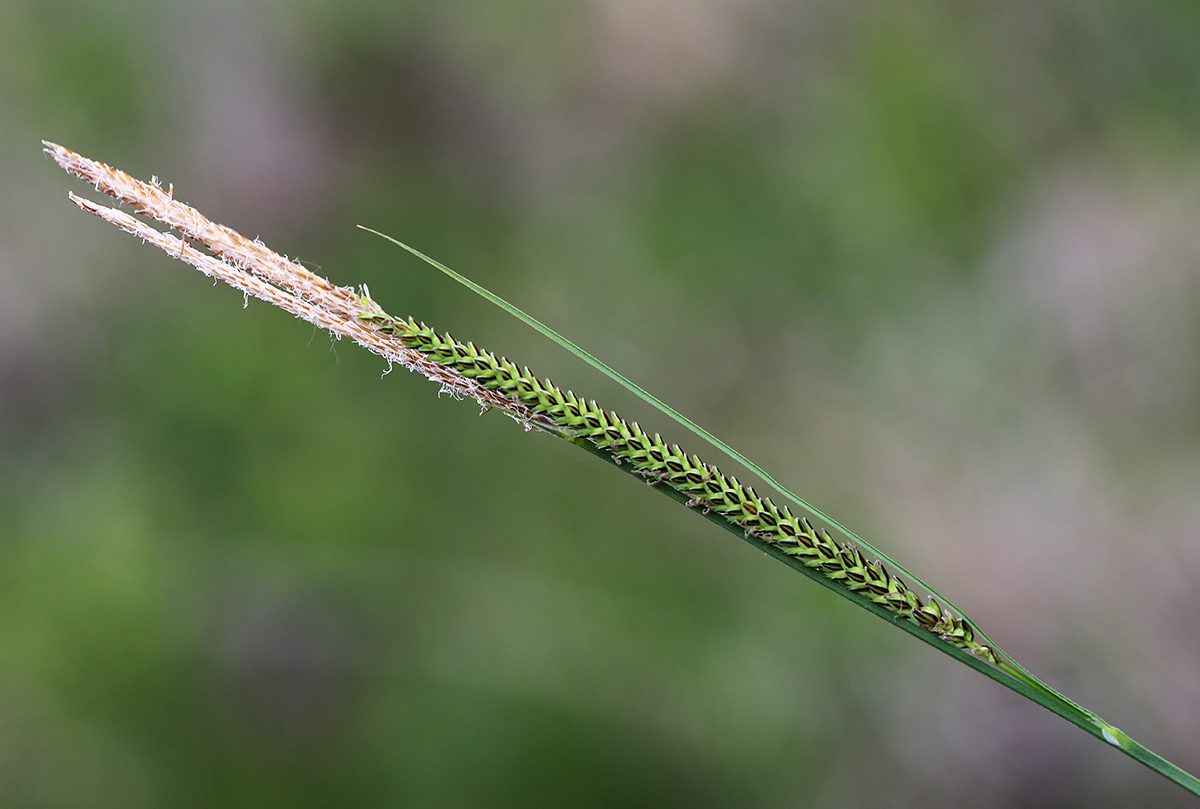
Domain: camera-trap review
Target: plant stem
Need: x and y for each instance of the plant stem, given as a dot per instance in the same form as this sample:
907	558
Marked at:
811	543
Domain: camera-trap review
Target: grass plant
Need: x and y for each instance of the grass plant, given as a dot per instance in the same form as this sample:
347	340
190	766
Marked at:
794	533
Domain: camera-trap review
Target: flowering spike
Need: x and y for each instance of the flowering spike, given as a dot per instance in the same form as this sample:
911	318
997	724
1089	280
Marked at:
498	383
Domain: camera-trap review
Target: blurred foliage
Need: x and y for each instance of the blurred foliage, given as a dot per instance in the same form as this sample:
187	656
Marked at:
933	264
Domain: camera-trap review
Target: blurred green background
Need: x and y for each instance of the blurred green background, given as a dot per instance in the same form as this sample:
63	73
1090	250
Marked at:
935	265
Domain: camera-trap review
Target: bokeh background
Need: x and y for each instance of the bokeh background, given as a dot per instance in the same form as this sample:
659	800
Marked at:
935	265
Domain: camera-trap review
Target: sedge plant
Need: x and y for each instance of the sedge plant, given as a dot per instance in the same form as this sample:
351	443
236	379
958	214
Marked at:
789	530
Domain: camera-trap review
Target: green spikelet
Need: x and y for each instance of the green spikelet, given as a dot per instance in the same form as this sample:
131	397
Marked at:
706	488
